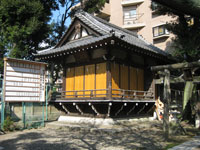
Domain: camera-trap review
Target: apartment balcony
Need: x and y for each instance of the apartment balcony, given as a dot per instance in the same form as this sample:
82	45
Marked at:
160	32
133	22
131	2
161	36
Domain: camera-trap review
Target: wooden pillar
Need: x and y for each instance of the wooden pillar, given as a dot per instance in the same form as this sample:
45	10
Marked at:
109	80
64	75
167	99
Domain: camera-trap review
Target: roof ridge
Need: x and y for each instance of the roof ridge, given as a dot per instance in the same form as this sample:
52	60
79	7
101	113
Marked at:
83	15
104	30
115	26
117	30
96	19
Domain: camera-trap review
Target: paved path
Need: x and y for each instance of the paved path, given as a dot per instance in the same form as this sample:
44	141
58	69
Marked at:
193	144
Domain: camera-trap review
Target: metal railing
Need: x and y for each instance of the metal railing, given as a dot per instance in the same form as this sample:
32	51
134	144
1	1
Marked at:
132	19
1	88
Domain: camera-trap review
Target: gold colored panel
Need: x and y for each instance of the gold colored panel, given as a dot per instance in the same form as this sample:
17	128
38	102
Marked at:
115	78
70	82
140	81
101	79
79	76
124	77
133	78
89	79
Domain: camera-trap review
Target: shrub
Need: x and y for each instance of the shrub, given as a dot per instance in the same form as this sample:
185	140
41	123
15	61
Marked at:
8	124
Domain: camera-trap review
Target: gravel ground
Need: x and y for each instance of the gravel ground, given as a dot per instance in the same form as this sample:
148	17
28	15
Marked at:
146	135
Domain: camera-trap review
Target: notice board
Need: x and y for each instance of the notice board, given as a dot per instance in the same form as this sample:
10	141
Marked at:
24	81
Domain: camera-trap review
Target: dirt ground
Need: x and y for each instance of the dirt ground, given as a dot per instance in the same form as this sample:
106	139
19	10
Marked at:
140	135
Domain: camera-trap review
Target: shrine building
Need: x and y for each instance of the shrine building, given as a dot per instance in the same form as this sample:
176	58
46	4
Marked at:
106	69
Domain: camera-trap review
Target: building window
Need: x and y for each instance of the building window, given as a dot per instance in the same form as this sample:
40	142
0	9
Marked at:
159	30
130	14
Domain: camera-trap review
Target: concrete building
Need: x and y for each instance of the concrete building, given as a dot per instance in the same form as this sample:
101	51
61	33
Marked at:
137	16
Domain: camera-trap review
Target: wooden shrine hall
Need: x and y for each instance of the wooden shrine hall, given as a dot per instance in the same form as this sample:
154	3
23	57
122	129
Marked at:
106	69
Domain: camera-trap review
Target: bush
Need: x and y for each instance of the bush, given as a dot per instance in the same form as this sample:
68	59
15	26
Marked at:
8	124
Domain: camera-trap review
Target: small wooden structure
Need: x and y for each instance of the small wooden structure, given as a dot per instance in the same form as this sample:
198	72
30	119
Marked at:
188	70
106	69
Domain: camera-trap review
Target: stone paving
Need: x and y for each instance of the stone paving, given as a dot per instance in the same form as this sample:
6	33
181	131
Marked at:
193	144
138	135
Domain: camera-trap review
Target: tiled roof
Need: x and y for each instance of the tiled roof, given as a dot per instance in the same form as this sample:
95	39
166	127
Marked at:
74	44
106	30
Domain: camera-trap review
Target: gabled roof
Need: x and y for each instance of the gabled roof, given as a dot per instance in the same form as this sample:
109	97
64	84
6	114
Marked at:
104	32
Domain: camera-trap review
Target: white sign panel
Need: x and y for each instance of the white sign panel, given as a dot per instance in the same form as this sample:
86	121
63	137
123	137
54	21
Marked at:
24	81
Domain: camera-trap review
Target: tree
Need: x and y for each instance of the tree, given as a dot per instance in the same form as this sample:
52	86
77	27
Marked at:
186	28
24	24
93	6
188	7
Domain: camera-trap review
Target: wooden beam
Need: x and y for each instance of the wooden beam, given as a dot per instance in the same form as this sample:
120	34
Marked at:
65	108
94	109
142	109
109	80
131	110
64	75
122	107
176	66
78	108
109	109
196	79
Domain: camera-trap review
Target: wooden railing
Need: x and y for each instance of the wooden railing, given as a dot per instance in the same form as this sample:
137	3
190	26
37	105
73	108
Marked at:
132	94
82	94
104	93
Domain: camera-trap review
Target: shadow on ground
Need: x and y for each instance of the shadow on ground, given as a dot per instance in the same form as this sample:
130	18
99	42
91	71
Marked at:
91	138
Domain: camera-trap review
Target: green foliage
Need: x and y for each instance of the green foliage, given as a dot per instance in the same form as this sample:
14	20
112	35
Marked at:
187	34
188	7
187	31
92	6
24	24
8	124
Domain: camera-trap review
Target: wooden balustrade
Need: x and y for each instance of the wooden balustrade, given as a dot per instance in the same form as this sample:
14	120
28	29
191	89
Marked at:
134	94
82	93
103	93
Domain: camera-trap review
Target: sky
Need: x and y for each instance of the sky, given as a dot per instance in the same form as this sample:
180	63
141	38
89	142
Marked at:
58	14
